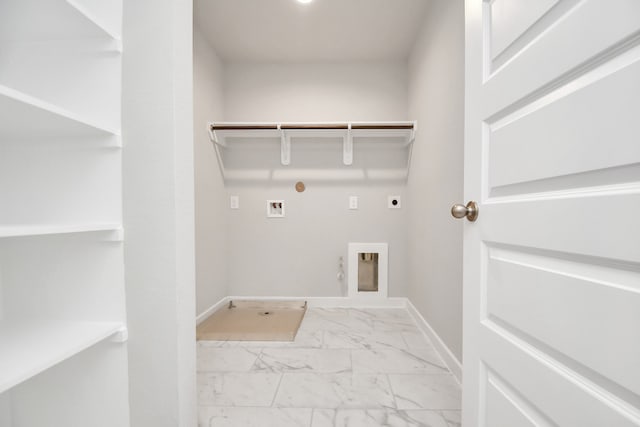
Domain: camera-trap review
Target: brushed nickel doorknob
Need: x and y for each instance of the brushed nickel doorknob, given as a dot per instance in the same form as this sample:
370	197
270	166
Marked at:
470	211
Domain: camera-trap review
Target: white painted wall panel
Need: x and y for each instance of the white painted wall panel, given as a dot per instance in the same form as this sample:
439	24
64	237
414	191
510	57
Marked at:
63	73
50	192
158	211
5	409
44	399
63	277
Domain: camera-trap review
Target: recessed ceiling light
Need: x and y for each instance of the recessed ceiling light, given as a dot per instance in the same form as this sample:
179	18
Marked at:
305	1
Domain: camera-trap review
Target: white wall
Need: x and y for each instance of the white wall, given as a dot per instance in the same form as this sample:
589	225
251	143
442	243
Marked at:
158	188
210	214
315	92
298	255
5	409
436	100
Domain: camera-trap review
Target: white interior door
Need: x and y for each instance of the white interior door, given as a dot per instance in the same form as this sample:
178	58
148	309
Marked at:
552	264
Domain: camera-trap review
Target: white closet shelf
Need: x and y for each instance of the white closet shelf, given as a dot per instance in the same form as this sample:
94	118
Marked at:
223	133
22	114
49	229
357	139
33	20
30	347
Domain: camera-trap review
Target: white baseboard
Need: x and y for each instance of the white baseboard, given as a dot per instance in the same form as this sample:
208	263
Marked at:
334	302
209	311
322	302
448	357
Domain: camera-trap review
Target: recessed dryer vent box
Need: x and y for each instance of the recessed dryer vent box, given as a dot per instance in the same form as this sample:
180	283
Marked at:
275	208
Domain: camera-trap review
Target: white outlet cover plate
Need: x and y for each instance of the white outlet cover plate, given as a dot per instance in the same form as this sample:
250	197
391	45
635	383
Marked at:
275	209
398	205
234	202
353	202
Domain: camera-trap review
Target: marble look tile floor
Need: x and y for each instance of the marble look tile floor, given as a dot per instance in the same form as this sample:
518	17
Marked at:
346	367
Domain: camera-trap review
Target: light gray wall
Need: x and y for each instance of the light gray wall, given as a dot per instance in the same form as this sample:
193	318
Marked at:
158	211
210	194
316	92
436	100
5	409
298	255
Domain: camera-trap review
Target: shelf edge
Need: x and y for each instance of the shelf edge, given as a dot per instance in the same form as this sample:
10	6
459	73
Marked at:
114	329
34	102
35	231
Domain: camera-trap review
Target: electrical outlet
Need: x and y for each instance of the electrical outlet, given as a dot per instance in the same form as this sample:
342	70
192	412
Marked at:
353	202
395	202
234	202
275	208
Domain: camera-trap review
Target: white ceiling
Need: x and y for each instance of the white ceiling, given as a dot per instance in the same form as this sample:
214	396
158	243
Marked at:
323	30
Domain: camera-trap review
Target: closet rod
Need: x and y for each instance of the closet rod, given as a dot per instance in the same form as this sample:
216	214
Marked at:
381	127
244	127
314	126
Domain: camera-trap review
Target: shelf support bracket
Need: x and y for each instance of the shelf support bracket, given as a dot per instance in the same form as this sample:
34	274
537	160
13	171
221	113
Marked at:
412	137
121	335
285	148
116	235
216	144
212	134
347	148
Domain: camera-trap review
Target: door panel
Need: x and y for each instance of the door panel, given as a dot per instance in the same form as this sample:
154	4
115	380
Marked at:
575	41
565	222
598	119
552	265
533	294
506	408
511	18
565	397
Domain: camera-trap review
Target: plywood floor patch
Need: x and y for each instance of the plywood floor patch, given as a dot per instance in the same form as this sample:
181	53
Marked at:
254	321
